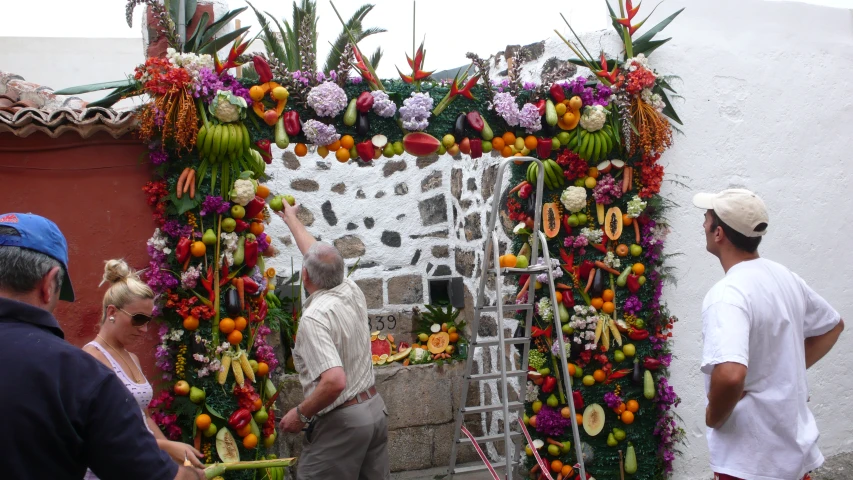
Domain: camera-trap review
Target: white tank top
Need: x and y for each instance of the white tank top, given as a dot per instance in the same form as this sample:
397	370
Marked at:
142	392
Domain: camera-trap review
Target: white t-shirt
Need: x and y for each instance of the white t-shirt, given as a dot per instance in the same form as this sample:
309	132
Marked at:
759	315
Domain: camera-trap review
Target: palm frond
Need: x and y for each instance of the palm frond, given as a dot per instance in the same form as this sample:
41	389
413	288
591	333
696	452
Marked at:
272	45
375	57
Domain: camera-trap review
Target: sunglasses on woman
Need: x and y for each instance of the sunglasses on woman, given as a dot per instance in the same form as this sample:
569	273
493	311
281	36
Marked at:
137	319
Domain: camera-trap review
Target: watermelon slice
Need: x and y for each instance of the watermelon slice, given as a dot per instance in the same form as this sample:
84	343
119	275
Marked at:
380	346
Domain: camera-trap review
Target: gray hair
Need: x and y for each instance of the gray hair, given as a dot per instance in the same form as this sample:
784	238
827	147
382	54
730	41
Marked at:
325	265
21	269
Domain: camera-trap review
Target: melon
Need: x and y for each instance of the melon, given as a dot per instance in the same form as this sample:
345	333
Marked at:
404	352
226	446
420	144
380	346
593	419
551	219
613	223
438	342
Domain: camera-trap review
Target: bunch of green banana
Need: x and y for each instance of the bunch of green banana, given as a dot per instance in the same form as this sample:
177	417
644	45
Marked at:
217	142
554	178
593	146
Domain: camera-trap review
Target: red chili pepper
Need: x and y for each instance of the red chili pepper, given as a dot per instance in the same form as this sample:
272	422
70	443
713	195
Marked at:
543	147
254	207
250	286
638	334
263	69
475	120
361	66
549	384
538	332
476	147
207	281
601	248
557	93
223	274
364	103
617	375
262	311
291	122
365	150
541	106
269	426
240	418
633	283
182	251
266	150
577	398
651	363
250	255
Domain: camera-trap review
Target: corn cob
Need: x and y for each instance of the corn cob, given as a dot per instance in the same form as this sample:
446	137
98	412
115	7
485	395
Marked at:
238	371
223	371
247	367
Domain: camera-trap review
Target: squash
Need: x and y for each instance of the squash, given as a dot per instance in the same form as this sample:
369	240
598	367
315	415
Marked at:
550	219
613	223
438	342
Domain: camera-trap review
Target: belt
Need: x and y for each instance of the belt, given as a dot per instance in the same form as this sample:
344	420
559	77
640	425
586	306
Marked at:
360	398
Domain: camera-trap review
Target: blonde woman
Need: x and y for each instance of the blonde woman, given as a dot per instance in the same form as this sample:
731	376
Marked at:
127	307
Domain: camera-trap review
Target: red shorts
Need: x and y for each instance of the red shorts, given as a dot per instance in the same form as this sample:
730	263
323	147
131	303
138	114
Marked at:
723	476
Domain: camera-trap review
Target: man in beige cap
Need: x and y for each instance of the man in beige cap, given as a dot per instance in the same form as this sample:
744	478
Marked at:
762	328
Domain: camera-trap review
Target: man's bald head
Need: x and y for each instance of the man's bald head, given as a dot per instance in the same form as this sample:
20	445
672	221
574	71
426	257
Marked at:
324	265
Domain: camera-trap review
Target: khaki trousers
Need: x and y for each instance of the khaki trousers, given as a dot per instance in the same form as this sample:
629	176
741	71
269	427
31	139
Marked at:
347	443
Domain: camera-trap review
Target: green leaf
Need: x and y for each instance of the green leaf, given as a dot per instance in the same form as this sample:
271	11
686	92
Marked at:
185	203
189	10
213	411
647	47
647	37
94	87
273	47
376	57
615	24
668	110
192	43
222	42
115	96
577	62
665	84
217	25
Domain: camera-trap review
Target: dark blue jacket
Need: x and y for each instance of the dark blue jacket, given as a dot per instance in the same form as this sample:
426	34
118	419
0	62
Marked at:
63	411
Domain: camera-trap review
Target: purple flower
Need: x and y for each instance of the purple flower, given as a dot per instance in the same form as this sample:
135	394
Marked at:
214	204
416	111
528	86
159	116
355	80
612	400
263	242
176	229
327	99
606	190
505	106
633	305
319	133
550	422
529	118
382	104
157	156
159	279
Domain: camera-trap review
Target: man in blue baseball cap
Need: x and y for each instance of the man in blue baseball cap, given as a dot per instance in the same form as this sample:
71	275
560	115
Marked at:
65	411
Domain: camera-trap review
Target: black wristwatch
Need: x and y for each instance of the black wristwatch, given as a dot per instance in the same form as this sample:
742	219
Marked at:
303	418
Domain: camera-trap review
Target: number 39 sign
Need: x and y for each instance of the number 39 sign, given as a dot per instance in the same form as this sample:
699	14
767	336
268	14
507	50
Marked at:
382	322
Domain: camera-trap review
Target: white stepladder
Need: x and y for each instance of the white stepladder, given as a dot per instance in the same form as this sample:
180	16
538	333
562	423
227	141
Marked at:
511	438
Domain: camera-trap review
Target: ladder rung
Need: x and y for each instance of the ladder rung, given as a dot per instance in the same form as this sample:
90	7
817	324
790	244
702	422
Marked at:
490	376
487	343
489	438
523	271
510	307
491	408
480	467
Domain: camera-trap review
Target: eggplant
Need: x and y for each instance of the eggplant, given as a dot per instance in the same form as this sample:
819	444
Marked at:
637	376
548	130
598	283
363	124
232	303
459	127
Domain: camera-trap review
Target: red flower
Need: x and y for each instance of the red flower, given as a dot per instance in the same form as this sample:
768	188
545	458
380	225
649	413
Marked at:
651	175
574	166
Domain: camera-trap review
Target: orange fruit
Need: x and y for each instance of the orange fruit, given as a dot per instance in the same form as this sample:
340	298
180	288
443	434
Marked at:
633	406
567	471
226	325
556	466
240	323
598	375
203	421
342	154
608	295
190	323
622	250
566	412
597	303
198	249
257	404
347	142
620	409
334	145
627	220
608	307
627	417
245	430
559	297
506	151
530	142
508	138
572	369
579	418
250	441
638	269
235	337
454	337
300	150
592	172
263	368
498	143
322	151
256	228
262	191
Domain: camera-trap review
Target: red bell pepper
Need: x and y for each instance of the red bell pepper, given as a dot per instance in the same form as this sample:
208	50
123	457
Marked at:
250	254
475	120
543	148
250	286
365	150
638	334
476	147
254	207
291	123
241	225
549	384
263	69
651	363
633	283
525	191
566	227
541	106
568	299
240	418
585	268
364	102
557	93
265	147
577	398
182	251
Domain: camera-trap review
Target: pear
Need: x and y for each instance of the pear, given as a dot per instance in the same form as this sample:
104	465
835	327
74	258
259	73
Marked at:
261	416
277	203
553	401
611	440
209	237
196	395
289	199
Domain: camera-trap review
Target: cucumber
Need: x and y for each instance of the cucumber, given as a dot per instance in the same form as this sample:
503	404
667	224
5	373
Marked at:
550	113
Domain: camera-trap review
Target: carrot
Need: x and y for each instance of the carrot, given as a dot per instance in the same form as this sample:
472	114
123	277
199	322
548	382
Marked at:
563	286
636	230
190	179
551	441
406	362
534	469
187	263
197	440
238	282
518	187
179	186
607	268
523	289
192	187
631	175
560	476
589	282
626	179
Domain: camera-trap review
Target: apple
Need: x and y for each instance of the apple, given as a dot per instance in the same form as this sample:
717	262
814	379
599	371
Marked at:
276	204
618	355
579	182
567	329
642	280
582	218
211	431
442	149
228	225
573	220
238	212
448	141
182	388
270	117
555	143
567	445
629	349
289	199
537	405
521	261
453	150
589	182
564	138
487	146
553	450
269	441
578	372
636	250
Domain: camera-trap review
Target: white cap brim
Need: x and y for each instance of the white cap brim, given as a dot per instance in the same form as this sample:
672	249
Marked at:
704	200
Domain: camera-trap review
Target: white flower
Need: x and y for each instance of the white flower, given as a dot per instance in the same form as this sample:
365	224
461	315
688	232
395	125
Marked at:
175	335
593	118
592	235
640	61
636	206
574	199
158	242
190	62
532	392
653	99
612	261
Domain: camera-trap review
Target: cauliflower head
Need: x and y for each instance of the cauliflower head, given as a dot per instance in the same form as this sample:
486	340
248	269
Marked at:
243	192
593	118
574	199
227	107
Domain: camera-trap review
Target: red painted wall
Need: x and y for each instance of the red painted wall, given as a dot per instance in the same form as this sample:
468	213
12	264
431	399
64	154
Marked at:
92	189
